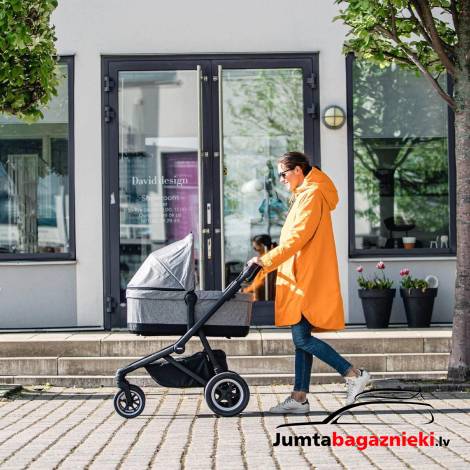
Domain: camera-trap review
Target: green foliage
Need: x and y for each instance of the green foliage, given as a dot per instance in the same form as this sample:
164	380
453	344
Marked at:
376	282
28	76
409	282
387	31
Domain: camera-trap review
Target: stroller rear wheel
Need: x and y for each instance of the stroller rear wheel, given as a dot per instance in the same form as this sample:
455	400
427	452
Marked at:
133	409
227	394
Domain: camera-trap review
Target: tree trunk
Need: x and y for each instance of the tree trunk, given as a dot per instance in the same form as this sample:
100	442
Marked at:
459	362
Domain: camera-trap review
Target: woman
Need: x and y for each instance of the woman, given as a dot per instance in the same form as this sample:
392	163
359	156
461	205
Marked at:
264	285
308	295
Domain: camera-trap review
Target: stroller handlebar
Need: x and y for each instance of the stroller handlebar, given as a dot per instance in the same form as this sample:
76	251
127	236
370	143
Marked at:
250	271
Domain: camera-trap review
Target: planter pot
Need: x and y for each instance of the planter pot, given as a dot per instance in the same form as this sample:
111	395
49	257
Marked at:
377	306
418	306
409	242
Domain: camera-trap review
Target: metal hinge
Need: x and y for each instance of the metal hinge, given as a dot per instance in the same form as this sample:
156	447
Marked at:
313	111
108	84
108	113
204	78
110	305
312	81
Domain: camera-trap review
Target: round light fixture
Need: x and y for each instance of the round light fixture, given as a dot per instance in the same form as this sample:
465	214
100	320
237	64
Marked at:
333	117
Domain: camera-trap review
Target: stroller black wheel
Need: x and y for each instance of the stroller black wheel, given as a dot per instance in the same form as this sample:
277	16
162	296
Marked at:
227	394
130	410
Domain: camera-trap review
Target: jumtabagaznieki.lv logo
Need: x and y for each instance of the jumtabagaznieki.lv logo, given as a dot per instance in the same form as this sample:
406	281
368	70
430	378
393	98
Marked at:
362	442
372	397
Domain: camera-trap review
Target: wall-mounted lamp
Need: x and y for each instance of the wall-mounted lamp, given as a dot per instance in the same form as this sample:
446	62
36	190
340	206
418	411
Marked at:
333	117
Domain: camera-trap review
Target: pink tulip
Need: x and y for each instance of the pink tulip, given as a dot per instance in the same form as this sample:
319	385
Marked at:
380	265
404	272
359	269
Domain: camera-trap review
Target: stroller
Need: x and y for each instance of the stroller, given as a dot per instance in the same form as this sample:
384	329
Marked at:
161	300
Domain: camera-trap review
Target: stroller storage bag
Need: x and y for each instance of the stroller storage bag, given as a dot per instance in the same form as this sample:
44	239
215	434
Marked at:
167	375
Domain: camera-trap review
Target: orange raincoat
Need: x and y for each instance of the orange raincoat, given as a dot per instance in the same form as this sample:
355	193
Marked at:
307	279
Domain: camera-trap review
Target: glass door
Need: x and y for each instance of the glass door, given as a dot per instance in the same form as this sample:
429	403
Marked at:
191	145
263	112
159	151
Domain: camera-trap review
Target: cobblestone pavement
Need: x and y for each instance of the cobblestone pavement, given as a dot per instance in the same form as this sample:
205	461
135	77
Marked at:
78	428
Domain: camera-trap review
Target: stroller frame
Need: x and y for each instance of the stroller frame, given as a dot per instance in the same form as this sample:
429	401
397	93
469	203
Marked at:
179	347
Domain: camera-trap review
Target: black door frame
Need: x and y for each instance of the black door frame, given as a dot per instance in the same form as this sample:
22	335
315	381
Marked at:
110	66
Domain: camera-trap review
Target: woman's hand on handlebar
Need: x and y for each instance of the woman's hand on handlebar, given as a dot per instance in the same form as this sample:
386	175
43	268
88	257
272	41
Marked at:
255	260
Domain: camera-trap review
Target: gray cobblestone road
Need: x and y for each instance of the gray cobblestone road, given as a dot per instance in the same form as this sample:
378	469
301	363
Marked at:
78	428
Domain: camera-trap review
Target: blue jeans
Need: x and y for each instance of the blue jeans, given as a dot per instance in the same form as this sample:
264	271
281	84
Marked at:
307	346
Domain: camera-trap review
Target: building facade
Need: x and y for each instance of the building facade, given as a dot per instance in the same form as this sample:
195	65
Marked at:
170	118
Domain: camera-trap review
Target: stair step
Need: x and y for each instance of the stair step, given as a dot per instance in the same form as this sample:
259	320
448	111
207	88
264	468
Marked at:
91	381
65	366
259	342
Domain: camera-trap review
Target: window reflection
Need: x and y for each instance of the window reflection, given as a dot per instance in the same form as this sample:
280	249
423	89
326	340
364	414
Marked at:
158	164
262	119
34	179
400	160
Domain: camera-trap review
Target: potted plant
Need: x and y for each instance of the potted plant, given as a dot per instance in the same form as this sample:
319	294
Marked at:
376	296
418	297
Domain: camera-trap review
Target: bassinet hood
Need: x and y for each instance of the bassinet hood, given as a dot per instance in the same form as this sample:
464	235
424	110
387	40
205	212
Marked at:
170	267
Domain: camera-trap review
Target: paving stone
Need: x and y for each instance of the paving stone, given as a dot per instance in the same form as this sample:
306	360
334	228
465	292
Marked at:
77	428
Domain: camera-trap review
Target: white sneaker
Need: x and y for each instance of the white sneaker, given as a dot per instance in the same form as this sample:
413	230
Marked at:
356	385
289	405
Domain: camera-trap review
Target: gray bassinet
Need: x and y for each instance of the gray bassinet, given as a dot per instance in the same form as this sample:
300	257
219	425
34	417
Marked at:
156	297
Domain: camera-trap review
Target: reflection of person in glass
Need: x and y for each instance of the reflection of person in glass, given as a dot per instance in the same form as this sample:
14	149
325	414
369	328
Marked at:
308	295
263	285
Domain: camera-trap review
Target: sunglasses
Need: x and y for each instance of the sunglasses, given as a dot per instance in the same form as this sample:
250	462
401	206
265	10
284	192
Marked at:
282	175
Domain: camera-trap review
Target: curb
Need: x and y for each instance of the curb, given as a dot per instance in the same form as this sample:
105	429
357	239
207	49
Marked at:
423	386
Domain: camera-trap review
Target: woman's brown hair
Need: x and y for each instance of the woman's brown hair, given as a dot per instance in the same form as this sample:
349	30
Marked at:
292	159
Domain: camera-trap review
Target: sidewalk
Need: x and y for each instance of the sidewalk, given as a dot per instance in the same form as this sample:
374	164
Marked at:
77	428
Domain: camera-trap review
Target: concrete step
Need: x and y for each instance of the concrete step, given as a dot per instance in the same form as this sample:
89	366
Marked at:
50	366
91	381
260	342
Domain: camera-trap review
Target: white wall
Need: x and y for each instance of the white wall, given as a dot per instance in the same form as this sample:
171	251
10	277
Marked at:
37	295
89	29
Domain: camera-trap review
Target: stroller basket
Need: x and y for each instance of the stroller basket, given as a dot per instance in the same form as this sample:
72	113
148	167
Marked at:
157	312
167	375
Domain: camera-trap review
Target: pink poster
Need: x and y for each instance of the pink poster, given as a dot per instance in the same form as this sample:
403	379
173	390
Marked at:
180	190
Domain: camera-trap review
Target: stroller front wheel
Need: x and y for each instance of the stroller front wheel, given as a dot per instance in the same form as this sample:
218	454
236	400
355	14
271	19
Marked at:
133	409
227	394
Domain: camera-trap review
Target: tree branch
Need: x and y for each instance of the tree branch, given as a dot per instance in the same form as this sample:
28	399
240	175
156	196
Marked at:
425	13
415	59
455	15
420	25
398	58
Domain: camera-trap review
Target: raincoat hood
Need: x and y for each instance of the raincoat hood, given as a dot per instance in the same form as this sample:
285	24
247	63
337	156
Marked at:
318	180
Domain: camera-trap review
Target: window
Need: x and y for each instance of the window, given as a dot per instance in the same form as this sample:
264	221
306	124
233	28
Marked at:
401	164
36	180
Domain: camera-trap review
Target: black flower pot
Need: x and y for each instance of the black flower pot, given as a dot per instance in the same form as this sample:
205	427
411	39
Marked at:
418	306
377	306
